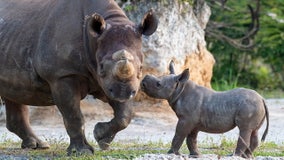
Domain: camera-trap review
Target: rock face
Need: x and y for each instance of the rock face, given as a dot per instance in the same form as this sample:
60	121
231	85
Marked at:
180	36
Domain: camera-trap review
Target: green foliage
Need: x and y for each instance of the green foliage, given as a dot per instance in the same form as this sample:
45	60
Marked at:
260	68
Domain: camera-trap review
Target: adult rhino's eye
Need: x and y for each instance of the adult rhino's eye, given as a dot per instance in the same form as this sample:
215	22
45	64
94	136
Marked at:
101	70
139	75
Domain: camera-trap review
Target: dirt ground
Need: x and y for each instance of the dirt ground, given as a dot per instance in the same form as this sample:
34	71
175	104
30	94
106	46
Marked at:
152	122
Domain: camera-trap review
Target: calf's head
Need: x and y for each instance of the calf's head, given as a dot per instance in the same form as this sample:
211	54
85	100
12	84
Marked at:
163	87
117	49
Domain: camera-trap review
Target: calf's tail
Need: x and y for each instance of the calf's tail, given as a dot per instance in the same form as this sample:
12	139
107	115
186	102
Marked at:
267	122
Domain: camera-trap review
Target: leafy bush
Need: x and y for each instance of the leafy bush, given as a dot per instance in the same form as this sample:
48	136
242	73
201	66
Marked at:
260	67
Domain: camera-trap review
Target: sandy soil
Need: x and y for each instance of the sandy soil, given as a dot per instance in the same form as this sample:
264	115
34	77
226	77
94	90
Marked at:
152	122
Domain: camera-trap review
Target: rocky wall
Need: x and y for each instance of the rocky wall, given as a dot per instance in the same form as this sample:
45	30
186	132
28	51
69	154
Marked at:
180	37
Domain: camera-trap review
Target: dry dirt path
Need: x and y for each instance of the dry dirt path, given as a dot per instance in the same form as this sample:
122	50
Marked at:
152	122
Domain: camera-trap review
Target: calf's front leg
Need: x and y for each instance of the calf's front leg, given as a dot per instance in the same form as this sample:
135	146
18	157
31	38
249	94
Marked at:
104	132
182	130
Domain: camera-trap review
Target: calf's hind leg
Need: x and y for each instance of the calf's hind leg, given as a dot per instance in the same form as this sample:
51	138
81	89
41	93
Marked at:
17	121
243	143
253	144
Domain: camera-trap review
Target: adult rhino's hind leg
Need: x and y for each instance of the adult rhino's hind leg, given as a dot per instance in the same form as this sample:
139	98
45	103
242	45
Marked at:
17	121
104	132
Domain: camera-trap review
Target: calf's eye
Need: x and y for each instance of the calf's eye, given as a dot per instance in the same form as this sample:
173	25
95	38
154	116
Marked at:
158	85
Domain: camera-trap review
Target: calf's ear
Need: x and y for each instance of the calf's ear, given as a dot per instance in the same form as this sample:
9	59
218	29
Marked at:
149	23
96	25
171	67
183	77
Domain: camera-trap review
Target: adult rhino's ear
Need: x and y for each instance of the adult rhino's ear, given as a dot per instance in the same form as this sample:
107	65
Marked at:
96	25
183	77
149	23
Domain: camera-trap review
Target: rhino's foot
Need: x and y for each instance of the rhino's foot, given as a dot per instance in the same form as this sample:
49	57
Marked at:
105	143
246	156
171	151
33	143
77	150
102	136
194	155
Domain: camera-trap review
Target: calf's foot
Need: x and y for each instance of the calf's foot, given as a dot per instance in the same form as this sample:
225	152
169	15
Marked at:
172	151
194	155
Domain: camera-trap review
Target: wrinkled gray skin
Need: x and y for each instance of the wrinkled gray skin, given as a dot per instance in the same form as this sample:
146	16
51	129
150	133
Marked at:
202	109
55	52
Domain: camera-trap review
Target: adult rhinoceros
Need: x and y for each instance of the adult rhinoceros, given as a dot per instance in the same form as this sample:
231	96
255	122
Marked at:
57	52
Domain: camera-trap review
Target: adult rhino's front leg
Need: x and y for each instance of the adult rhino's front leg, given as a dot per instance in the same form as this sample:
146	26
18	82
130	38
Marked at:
105	132
67	95
17	121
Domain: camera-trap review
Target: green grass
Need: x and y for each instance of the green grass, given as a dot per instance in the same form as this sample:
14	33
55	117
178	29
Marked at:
131	150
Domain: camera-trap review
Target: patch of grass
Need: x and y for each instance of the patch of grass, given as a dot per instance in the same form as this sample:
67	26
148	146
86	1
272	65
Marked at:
270	149
121	150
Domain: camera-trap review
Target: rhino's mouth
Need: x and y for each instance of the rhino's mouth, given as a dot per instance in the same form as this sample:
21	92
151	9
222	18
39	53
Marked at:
144	84
143	87
122	99
121	93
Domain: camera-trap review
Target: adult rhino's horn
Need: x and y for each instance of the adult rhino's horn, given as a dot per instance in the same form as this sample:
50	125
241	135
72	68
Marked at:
122	54
123	69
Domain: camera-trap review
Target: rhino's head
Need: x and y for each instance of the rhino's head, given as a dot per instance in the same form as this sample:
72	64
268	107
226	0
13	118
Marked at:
118	54
163	87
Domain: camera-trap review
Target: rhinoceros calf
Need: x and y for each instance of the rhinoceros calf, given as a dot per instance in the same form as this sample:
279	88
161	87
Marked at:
57	52
202	109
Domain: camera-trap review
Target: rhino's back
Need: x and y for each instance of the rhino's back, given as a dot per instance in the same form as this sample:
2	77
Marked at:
21	23
41	41
46	30
220	111
29	29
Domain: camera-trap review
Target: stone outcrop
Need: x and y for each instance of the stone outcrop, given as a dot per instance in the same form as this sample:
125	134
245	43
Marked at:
180	36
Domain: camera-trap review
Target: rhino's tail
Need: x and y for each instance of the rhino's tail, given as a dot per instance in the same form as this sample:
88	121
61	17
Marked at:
267	122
